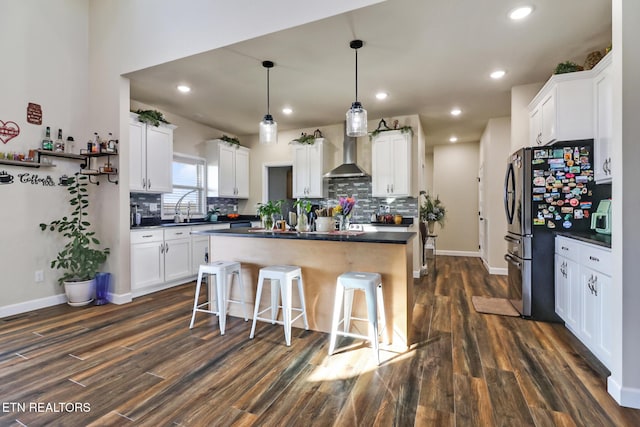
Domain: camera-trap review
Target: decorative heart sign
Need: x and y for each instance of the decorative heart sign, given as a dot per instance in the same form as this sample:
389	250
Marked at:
8	131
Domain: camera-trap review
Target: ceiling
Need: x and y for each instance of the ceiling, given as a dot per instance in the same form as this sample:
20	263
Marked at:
428	55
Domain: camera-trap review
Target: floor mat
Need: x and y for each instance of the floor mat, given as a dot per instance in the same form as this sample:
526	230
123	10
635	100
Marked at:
489	305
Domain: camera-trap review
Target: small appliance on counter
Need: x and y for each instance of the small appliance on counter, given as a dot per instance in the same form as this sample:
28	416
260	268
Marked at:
601	218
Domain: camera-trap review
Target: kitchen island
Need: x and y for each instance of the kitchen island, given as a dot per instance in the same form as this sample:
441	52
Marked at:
323	257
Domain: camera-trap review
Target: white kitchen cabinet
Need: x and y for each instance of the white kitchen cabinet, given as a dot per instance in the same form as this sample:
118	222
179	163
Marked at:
586	290
567	282
227	170
147	259
177	253
391	164
562	110
151	157
603	120
159	259
200	245
308	170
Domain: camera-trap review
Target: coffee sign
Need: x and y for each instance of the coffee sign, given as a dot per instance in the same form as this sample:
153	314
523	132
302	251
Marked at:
34	114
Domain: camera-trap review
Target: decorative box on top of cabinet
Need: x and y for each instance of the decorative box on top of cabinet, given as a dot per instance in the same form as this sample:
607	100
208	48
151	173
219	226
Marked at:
603	120
391	170
227	170
583	294
308	170
151	156
562	110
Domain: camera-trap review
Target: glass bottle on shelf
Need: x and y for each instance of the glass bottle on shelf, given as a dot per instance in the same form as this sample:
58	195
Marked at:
59	144
47	143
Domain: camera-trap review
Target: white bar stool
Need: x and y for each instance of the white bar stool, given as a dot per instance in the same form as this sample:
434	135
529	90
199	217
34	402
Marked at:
221	270
347	283
281	278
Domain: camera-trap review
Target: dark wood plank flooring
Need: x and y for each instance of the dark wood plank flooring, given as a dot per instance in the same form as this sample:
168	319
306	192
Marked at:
139	364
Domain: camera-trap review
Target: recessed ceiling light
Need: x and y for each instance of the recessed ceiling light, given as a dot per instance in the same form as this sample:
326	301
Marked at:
498	74
456	112
287	110
382	95
520	12
453	139
184	88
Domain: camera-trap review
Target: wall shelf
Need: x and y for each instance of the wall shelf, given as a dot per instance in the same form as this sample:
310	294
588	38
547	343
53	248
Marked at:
26	164
85	157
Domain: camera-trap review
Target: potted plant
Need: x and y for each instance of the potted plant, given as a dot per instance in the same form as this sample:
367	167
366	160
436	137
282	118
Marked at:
303	207
79	259
432	211
266	211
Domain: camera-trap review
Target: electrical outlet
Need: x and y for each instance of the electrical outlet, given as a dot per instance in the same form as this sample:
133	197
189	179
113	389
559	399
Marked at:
39	276
235	208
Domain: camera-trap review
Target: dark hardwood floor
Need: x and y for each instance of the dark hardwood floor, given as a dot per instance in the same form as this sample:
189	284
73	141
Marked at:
139	364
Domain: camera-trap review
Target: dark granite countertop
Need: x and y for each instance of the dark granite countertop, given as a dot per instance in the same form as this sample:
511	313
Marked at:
603	240
336	236
196	222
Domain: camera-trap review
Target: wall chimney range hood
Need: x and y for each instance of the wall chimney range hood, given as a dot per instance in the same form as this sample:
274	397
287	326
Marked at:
348	168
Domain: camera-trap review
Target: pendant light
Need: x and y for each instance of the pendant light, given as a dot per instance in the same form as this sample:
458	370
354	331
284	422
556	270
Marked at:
268	126
356	116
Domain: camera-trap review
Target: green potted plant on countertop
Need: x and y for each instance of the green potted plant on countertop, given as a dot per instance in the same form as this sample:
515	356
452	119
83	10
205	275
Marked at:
267	210
79	259
212	214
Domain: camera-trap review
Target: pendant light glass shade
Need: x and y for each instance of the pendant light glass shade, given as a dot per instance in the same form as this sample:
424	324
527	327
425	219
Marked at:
268	126
268	130
356	120
356	116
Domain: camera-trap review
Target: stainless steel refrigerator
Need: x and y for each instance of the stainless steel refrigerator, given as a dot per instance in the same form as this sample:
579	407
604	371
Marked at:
547	189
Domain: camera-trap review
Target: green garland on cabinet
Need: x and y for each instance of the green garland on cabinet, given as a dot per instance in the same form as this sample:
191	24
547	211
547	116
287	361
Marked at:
151	117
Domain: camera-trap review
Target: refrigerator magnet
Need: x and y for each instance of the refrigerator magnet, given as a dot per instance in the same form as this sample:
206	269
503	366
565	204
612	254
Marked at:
538	221
551	224
578	214
567	224
585	205
557	153
566	210
574	202
539	181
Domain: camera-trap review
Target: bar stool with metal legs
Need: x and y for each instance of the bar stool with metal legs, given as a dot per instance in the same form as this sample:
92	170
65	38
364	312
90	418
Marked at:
221	270
281	278
347	283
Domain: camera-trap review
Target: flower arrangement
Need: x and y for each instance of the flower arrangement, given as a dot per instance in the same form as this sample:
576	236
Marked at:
432	210
345	206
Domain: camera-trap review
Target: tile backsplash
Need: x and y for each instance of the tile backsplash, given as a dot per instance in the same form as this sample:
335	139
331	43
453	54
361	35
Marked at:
359	187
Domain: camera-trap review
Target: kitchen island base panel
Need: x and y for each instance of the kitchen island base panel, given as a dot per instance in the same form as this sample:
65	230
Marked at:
322	262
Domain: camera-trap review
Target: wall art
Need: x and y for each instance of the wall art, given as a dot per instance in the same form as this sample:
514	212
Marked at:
8	130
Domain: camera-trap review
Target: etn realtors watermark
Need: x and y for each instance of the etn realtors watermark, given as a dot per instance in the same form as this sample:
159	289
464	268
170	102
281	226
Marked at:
45	407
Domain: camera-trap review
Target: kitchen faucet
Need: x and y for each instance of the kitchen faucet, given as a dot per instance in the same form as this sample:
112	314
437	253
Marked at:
177	217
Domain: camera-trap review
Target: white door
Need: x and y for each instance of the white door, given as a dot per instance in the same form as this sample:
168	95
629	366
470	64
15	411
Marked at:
481	220
242	174
227	171
159	159
177	259
147	264
137	172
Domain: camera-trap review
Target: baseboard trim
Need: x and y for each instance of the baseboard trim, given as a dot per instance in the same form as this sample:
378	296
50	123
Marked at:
35	304
494	270
624	396
458	253
120	299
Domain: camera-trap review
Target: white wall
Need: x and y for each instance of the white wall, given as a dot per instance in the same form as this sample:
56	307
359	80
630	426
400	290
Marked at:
49	66
494	149
624	383
455	173
521	96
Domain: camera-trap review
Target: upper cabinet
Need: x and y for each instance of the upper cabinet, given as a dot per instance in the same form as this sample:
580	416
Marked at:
151	156
227	170
308	170
562	110
391	164
603	120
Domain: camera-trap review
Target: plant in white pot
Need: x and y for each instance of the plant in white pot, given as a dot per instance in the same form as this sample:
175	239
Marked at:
79	259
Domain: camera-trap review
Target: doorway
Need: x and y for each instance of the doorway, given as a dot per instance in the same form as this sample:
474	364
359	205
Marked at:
278	185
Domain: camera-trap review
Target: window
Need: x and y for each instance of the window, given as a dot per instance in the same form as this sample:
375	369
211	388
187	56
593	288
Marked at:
188	188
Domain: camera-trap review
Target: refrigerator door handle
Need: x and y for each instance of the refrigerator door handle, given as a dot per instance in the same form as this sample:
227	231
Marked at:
510	259
509	178
512	239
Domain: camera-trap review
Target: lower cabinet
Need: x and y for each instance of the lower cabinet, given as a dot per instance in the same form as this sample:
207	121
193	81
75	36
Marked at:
161	258
583	294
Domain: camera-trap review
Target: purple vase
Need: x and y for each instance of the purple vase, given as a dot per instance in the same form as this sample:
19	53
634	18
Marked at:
103	281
